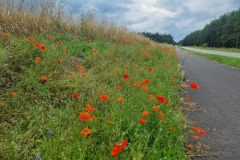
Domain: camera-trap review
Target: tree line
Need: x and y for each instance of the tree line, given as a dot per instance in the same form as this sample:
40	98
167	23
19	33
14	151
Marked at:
221	32
161	38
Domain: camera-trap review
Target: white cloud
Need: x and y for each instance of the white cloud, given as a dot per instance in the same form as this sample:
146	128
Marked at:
186	23
175	17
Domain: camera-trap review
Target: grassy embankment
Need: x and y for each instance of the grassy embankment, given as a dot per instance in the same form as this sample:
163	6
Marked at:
73	90
235	50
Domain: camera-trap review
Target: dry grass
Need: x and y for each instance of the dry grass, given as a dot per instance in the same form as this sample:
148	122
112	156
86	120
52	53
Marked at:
28	17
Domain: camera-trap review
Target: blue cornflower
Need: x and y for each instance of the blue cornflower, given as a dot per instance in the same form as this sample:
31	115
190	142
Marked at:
38	158
50	132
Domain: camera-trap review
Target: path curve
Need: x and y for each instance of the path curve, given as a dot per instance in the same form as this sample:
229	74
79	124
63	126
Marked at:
228	54
218	98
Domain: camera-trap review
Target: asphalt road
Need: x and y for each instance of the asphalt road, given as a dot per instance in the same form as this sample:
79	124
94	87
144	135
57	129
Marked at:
218	100
228	54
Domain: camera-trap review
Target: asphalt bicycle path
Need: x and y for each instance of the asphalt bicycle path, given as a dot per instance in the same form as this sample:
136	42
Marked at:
218	100
228	54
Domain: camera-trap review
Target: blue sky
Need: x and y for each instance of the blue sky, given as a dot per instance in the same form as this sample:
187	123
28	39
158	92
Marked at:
175	17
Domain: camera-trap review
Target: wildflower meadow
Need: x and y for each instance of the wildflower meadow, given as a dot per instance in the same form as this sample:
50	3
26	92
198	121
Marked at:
69	94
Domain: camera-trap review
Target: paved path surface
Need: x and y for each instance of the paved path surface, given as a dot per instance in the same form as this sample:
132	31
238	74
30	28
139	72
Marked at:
229	54
219	103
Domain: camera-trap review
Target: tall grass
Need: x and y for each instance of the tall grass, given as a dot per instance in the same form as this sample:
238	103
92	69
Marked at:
27	17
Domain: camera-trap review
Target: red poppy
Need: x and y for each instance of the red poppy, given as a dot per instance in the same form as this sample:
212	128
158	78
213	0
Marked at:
161	99
126	75
43	78
59	61
38	45
118	148
166	101
30	38
170	128
38	59
196	130
85	132
75	95
150	68
189	146
43	47
89	41
120	99
144	88
5	34
65	54
142	121
84	75
161	115
90	108
187	99
137	84
155	108
172	79
81	68
85	116
202	132
104	97
49	37
146	81
194	85
110	121
59	43
118	87
146	113
14	94
196	137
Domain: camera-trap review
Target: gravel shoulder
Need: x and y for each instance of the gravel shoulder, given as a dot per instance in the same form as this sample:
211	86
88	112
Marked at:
228	54
218	102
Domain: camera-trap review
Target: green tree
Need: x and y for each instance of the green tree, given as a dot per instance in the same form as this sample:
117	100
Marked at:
221	32
160	38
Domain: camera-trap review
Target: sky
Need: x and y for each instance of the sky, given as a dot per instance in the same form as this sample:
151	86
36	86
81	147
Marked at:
176	17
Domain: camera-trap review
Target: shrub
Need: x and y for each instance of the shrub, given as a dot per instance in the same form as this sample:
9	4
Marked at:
204	45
